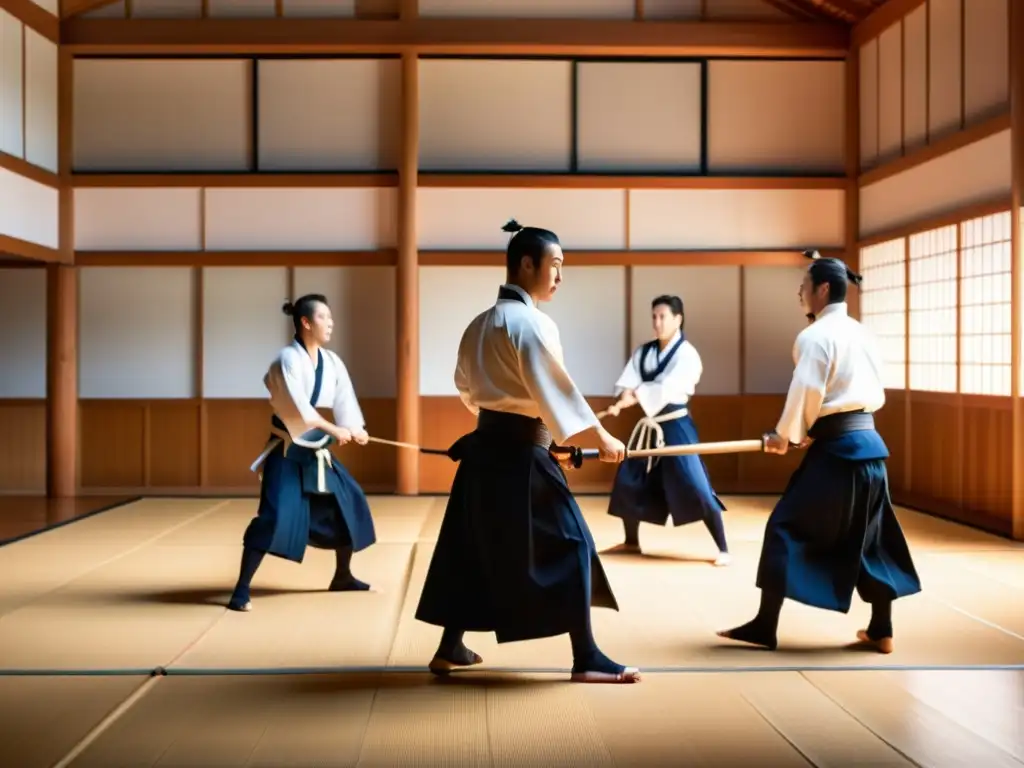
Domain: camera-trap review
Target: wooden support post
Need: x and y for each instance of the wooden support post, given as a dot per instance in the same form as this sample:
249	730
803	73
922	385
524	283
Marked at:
62	314
1016	32
852	156
407	283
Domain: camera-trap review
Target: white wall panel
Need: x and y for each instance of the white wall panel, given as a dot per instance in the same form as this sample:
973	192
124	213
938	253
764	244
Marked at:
320	219
40	101
471	115
320	9
242	9
986	58
467	219
944	66
748	218
590	310
890	93
772	320
450	297
12	136
915	78
711	312
529	9
868	103
638	116
162	115
758	117
23	333
167	9
28	209
135	333
362	302
50	6
243	328
138	219
973	174
329	115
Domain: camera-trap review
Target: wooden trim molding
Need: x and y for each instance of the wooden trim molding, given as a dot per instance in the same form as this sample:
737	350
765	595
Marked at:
14	246
69	8
29	170
34	17
973	211
388	257
880	19
555	37
451	180
938	148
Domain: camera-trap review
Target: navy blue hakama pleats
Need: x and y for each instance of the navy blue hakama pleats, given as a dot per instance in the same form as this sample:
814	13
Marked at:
514	555
292	514
677	487
834	531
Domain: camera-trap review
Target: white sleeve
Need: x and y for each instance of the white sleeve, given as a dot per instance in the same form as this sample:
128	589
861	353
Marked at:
630	378
346	409
806	391
288	396
677	385
563	408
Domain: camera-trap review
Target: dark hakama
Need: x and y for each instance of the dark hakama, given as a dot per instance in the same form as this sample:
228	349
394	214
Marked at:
677	486
834	529
514	555
293	513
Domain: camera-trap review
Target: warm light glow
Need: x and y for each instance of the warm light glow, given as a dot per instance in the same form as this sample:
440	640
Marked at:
883	306
985	305
933	310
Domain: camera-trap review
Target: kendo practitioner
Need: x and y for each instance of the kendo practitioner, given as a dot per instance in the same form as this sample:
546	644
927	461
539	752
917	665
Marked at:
833	530
514	555
661	377
306	495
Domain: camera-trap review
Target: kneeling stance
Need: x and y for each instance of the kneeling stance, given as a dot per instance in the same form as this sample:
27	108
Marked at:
306	496
834	530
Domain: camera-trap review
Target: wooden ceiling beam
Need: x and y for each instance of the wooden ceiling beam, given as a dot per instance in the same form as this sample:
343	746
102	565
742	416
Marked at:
69	8
883	17
476	37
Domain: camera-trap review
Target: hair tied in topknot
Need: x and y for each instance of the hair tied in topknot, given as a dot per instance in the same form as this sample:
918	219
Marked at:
288	308
812	254
512	226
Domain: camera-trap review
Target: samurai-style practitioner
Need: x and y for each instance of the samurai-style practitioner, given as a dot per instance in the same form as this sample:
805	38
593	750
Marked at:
661	376
514	555
306	496
834	530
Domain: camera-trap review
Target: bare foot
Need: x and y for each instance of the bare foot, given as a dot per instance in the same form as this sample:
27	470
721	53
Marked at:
751	633
243	607
625	548
625	677
882	645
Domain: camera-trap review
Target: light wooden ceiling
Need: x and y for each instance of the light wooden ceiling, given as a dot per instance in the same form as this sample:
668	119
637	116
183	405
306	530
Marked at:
844	11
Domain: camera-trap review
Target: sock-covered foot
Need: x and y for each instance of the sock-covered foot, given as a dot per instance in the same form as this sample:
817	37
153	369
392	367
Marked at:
723	559
447	659
880	644
753	632
347	583
595	667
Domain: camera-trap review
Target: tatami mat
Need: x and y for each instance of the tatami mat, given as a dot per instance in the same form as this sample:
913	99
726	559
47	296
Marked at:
44	718
883	719
144	586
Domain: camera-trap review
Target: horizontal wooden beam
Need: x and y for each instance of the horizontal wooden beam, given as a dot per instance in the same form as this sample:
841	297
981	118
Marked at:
23	249
34	17
69	8
28	170
435	258
475	37
470	180
880	19
963	213
937	148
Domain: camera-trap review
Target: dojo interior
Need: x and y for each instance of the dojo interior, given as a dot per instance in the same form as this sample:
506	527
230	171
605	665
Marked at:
171	171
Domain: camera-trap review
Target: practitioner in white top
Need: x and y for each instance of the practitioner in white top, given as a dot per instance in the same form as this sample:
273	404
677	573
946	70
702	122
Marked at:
661	377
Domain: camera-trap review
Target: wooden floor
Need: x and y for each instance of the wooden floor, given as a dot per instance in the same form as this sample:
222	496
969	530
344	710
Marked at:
115	649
